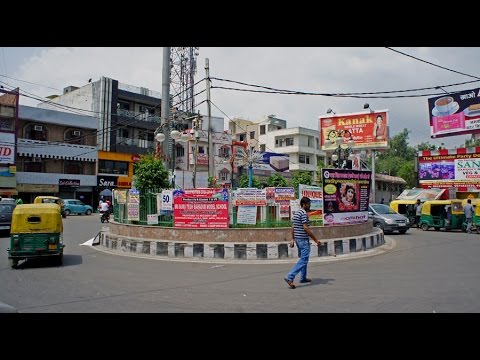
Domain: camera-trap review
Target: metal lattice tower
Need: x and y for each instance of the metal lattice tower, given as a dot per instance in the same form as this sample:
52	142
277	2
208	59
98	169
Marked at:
183	64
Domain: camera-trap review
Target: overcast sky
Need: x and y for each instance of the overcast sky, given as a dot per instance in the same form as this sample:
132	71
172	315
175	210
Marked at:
315	69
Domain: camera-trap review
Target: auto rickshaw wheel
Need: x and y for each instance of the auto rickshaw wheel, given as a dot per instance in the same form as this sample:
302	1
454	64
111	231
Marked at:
424	227
60	259
64	215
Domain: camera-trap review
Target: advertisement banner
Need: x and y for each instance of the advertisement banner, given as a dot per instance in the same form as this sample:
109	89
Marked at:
345	196
7	148
315	194
200	208
367	130
454	114
449	168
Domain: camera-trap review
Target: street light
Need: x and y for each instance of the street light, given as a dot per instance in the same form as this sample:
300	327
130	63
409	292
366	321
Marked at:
175	135
343	152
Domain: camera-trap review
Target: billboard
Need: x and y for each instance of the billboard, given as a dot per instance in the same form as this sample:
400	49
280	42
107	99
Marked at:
345	196
447	168
454	114
367	130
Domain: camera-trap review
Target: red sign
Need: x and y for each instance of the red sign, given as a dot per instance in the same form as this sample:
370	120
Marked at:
200	208
135	158
367	130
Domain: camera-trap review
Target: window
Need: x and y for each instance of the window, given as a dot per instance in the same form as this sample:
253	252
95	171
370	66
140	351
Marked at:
224	151
289	141
262	147
262	129
36	132
252	134
123	105
6	124
123	133
224	175
304	159
113	167
74	137
180	151
201	149
73	167
32	165
242	137
309	141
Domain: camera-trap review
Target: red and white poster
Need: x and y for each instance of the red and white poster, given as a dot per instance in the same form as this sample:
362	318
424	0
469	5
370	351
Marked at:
200	208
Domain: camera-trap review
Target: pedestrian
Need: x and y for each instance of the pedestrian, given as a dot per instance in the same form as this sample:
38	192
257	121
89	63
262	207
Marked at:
418	211
300	235
468	210
382	201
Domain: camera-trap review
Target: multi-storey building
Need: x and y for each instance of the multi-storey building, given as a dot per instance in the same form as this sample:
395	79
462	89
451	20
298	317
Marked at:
127	119
8	139
271	134
56	154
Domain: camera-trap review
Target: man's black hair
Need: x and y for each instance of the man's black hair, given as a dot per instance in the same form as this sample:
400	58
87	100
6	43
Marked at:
304	200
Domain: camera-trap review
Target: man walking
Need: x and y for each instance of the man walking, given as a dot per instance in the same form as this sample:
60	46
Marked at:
418	212
468	210
300	235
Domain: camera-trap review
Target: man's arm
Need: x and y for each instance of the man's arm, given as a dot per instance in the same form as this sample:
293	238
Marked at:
310	233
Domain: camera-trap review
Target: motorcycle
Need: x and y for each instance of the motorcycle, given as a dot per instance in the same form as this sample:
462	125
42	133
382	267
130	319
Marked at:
105	217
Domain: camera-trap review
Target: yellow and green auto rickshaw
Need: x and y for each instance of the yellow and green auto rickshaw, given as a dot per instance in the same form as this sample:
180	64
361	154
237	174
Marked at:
52	200
406	208
442	214
476	215
36	232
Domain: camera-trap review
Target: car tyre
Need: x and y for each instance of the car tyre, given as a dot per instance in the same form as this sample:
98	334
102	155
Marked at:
379	226
88	212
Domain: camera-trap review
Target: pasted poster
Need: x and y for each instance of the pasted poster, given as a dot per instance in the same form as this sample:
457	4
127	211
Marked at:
345	196
204	208
315	194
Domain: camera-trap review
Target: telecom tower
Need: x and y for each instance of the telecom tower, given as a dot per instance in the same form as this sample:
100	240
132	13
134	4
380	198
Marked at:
182	78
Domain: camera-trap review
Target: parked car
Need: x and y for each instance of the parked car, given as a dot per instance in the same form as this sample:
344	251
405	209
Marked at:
387	219
74	206
6	210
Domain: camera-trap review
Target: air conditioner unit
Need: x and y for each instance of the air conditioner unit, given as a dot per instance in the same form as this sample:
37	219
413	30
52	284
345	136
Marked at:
76	132
38	128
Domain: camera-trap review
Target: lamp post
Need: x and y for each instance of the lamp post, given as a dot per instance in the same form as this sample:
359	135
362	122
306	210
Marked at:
343	152
175	135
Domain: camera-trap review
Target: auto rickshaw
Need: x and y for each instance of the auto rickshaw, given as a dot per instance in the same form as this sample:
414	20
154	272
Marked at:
442	214
52	200
476	215
36	232
406	208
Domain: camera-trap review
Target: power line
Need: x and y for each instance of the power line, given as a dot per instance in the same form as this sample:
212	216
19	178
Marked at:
430	63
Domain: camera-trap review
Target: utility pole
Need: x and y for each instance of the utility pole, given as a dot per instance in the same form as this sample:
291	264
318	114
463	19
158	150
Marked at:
211	155
197	123
165	110
373	175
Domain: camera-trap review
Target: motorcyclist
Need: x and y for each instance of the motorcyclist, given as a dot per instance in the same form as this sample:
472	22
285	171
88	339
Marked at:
105	210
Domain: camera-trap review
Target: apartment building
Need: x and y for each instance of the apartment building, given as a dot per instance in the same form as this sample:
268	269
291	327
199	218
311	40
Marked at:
56	154
127	120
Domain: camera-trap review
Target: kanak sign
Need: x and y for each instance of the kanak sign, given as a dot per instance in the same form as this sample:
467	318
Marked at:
367	130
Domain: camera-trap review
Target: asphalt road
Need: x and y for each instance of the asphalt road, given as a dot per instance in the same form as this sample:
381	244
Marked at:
424	272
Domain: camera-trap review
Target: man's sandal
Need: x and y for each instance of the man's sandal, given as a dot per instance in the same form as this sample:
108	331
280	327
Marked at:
290	283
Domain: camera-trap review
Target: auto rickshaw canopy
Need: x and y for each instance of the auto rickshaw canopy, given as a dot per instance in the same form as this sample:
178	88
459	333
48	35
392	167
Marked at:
36	218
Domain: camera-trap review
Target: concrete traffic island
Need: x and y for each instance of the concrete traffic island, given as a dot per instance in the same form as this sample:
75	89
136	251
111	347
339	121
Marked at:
258	244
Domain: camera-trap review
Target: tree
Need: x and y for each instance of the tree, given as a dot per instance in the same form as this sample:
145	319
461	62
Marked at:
243	182
149	173
406	172
300	177
276	180
426	146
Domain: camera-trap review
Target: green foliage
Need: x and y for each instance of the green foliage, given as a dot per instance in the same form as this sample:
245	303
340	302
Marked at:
406	172
472	142
149	173
300	177
277	180
243	182
423	146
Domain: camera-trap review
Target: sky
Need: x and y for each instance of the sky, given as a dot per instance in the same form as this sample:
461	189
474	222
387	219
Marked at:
46	71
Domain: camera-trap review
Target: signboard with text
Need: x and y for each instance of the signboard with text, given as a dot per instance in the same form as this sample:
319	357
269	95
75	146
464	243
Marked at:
454	113
369	130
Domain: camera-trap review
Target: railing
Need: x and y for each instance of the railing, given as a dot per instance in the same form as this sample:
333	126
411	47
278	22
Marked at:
148	206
